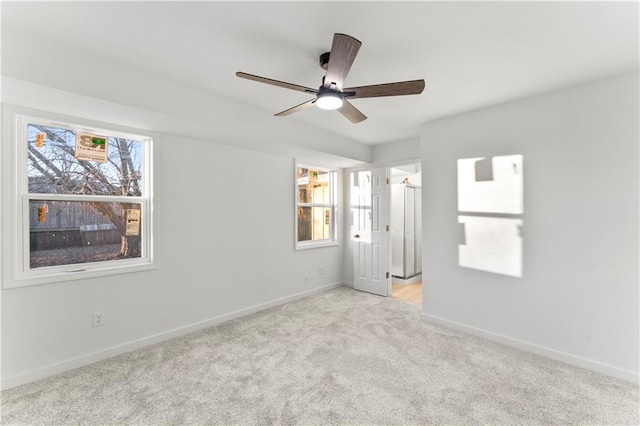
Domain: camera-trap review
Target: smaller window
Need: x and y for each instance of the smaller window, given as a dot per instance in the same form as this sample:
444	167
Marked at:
315	206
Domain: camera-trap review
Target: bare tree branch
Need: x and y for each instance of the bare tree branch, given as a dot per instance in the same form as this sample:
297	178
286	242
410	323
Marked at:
62	172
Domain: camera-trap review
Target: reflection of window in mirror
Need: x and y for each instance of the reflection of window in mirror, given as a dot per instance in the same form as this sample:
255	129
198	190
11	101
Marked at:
491	185
315	206
486	187
484	169
491	244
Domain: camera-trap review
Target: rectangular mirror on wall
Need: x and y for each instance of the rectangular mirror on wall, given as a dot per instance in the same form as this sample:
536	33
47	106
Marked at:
490	192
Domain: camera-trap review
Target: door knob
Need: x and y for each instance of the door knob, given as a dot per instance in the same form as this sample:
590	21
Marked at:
356	236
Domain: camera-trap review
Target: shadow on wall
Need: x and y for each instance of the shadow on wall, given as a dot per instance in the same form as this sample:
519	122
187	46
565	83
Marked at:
490	192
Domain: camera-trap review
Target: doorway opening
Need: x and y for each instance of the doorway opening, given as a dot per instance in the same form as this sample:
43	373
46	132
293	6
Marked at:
406	233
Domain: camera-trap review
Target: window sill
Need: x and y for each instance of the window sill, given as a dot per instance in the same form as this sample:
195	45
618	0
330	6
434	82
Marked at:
79	272
315	244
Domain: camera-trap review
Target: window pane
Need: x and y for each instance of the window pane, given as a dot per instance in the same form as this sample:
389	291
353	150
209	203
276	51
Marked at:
313	186
321	223
321	189
362	181
304	223
54	169
314	223
304	191
315	203
304	196
71	232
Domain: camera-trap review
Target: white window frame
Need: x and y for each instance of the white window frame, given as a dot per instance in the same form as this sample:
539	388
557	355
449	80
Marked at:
15	201
333	204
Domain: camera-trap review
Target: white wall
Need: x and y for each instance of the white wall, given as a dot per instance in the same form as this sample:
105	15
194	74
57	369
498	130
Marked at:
166	106
226	246
578	298
398	152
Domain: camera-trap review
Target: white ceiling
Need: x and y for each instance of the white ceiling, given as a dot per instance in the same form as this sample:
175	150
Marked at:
471	54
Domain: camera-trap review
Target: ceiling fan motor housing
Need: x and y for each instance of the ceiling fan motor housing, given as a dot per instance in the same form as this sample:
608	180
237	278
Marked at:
324	60
329	98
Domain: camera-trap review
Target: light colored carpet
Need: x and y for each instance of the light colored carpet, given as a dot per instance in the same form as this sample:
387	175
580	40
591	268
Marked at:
343	357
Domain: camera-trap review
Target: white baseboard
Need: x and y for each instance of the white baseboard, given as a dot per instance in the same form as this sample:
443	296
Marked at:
599	367
406	281
70	364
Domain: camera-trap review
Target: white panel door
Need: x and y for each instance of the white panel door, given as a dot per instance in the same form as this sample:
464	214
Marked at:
369	231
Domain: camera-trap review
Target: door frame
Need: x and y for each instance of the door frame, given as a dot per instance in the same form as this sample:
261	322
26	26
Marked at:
347	210
377	280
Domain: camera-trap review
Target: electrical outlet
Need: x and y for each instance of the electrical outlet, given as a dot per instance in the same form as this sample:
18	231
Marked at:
321	269
98	319
306	278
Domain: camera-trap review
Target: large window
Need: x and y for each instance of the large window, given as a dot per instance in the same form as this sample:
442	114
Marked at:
315	206
82	204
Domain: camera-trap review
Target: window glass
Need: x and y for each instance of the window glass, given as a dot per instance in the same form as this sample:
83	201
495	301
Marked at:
70	232
82	200
53	166
315	206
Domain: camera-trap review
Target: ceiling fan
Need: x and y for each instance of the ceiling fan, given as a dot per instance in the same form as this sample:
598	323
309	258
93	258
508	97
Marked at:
331	94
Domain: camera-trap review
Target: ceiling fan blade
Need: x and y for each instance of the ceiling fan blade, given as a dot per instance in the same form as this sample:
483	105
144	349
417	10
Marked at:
296	108
413	87
276	82
343	52
352	113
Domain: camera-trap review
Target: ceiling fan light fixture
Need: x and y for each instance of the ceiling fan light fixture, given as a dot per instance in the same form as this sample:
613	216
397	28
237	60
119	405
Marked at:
330	95
329	100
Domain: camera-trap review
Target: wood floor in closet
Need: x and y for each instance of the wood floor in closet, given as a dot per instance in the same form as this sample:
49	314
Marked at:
411	293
